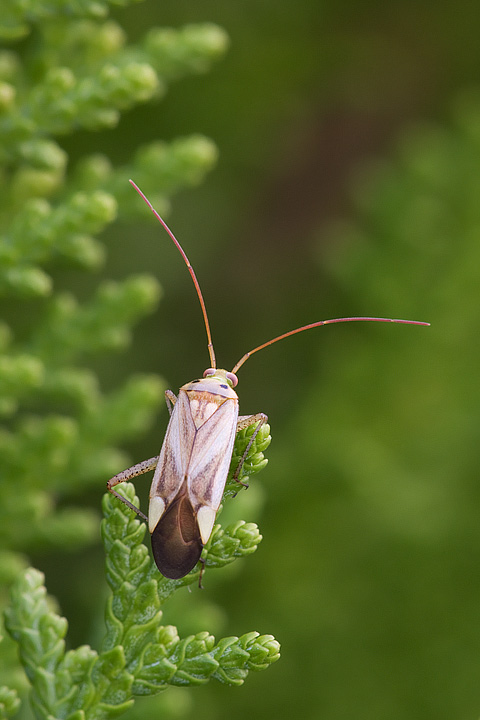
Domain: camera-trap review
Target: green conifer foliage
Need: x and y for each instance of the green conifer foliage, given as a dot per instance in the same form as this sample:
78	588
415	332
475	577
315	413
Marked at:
68	67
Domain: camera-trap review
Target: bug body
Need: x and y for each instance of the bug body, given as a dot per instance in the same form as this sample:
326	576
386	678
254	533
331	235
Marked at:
192	468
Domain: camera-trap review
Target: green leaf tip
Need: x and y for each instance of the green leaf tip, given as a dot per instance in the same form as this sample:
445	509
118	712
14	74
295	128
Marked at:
192	48
9	702
255	460
236	540
251	651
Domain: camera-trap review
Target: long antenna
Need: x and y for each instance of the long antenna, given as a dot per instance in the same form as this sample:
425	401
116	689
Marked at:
317	324
211	351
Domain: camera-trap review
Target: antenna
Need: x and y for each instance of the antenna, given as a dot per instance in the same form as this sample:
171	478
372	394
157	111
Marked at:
244	359
211	351
317	324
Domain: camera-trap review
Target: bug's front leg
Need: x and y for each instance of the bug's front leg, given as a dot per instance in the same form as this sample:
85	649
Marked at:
243	422
170	399
125	475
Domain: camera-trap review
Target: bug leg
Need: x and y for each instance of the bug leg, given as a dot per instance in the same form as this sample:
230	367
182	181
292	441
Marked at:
202	570
243	422
128	474
170	399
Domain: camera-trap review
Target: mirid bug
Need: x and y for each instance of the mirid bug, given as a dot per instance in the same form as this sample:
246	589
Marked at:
192	468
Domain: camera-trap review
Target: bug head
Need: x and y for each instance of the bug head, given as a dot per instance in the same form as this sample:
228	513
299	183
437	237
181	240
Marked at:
230	377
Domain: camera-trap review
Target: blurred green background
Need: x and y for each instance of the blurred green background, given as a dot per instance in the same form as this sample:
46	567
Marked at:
348	183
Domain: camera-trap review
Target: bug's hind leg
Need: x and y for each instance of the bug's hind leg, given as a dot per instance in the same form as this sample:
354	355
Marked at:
243	422
140	468
128	474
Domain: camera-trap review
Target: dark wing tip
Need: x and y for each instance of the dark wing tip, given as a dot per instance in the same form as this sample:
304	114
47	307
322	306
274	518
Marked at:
176	542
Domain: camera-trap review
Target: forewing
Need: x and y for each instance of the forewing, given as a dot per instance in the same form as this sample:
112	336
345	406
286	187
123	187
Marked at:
176	451
211	456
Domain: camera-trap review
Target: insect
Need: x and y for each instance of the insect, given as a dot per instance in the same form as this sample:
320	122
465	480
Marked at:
192	468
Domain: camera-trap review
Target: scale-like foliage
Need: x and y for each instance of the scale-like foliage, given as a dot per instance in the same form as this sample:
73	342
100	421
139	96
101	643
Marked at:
78	73
139	655
74	70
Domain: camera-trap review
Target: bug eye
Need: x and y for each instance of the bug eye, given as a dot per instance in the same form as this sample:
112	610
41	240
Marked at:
207	373
232	378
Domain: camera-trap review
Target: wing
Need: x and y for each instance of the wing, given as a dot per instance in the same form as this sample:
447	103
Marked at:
211	456
176	451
